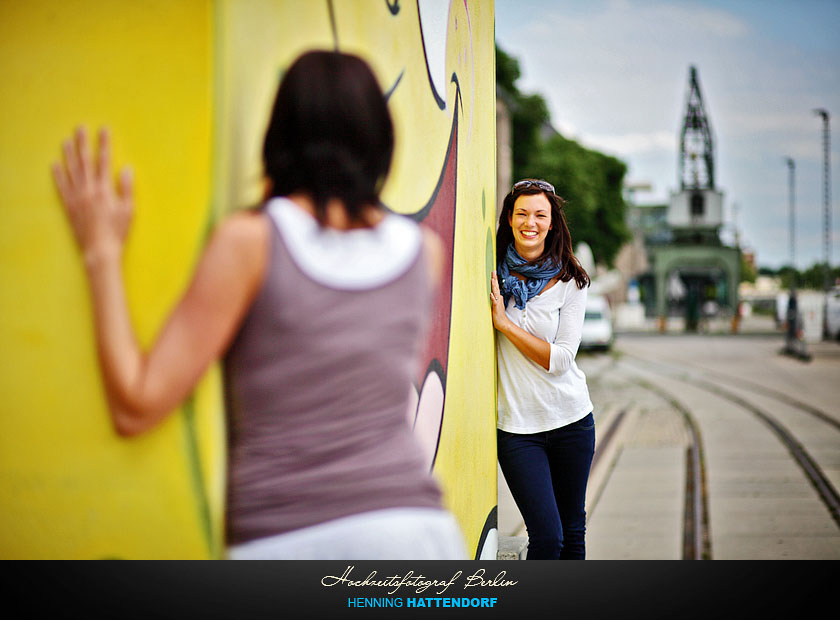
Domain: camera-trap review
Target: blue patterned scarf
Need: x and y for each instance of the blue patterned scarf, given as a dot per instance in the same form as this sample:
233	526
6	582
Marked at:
537	276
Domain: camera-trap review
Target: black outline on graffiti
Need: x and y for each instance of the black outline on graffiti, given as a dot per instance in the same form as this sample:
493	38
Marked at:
435	365
419	216
490	523
394	86
333	27
440	102
458	97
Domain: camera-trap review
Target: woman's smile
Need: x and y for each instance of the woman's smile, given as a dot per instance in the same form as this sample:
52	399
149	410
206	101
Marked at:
530	221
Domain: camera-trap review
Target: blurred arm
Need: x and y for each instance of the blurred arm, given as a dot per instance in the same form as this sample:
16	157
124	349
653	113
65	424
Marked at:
143	387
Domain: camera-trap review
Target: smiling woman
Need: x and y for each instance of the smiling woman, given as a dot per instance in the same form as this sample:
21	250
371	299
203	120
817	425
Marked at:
546	432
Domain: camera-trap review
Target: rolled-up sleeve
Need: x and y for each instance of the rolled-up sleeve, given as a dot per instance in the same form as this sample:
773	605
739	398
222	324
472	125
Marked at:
569	327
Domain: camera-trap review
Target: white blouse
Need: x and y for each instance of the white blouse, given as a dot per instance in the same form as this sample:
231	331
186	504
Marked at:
532	399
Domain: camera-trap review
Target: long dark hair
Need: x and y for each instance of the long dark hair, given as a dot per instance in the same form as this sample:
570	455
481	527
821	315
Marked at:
558	241
330	133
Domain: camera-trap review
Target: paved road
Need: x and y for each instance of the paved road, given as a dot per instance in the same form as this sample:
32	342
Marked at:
723	429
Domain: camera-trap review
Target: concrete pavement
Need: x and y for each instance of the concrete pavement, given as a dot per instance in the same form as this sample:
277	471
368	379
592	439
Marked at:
760	503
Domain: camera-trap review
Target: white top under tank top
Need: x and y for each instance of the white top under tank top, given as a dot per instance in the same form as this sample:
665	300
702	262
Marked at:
354	259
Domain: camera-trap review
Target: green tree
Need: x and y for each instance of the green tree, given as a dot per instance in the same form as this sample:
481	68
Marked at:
590	181
814	276
529	113
810	278
748	272
507	71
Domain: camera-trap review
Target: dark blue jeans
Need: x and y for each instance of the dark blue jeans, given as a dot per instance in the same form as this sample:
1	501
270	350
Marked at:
547	474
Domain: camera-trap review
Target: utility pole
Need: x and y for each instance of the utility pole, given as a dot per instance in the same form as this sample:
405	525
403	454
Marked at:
826	194
791	201
794	341
826	213
737	231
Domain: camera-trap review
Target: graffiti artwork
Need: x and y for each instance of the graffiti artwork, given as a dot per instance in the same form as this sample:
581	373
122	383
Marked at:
203	74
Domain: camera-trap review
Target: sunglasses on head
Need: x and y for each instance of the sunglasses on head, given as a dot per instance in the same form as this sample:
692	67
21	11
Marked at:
543	185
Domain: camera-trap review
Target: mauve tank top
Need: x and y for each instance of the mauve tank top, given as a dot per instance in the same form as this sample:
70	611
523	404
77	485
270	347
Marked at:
317	386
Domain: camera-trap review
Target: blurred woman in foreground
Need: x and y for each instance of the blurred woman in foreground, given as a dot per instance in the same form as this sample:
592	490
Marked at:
317	303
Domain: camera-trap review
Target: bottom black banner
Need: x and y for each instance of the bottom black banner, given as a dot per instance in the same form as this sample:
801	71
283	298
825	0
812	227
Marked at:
419	589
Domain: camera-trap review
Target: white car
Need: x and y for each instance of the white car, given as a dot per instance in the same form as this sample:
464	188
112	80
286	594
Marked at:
597	324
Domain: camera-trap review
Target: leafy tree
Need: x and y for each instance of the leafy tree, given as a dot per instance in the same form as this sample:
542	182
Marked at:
787	275
810	278
748	272
529	115
814	276
590	181
507	71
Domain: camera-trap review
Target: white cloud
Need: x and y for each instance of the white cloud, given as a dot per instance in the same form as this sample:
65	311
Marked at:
616	73
625	62
634	143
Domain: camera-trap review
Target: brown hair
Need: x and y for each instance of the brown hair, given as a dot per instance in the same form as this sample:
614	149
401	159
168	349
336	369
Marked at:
558	241
330	133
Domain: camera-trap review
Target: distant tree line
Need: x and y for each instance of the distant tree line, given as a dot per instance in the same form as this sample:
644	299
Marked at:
590	181
748	271
810	278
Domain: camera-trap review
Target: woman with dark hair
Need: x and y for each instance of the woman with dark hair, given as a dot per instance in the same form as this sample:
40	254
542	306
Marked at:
316	302
546	432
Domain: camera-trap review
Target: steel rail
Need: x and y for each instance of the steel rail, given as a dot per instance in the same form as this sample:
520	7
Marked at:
809	466
697	543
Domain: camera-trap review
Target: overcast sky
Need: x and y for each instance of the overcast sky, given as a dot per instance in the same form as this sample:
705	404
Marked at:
615	76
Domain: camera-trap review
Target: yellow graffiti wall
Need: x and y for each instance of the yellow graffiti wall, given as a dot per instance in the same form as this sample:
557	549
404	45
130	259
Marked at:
186	88
69	488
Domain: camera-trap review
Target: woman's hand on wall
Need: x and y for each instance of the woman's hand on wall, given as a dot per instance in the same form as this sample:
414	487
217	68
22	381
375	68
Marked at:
142	388
497	300
99	212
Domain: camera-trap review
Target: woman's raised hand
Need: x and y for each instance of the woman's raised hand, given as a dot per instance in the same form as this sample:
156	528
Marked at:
500	319
99	213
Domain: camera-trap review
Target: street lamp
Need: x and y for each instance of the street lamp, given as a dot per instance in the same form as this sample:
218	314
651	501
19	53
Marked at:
826	214
791	184
826	194
794	343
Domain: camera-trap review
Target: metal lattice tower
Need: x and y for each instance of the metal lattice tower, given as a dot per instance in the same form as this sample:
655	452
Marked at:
697	162
826	140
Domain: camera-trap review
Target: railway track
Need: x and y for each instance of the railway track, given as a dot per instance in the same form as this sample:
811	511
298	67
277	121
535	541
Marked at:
810	467
696	541
765	390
